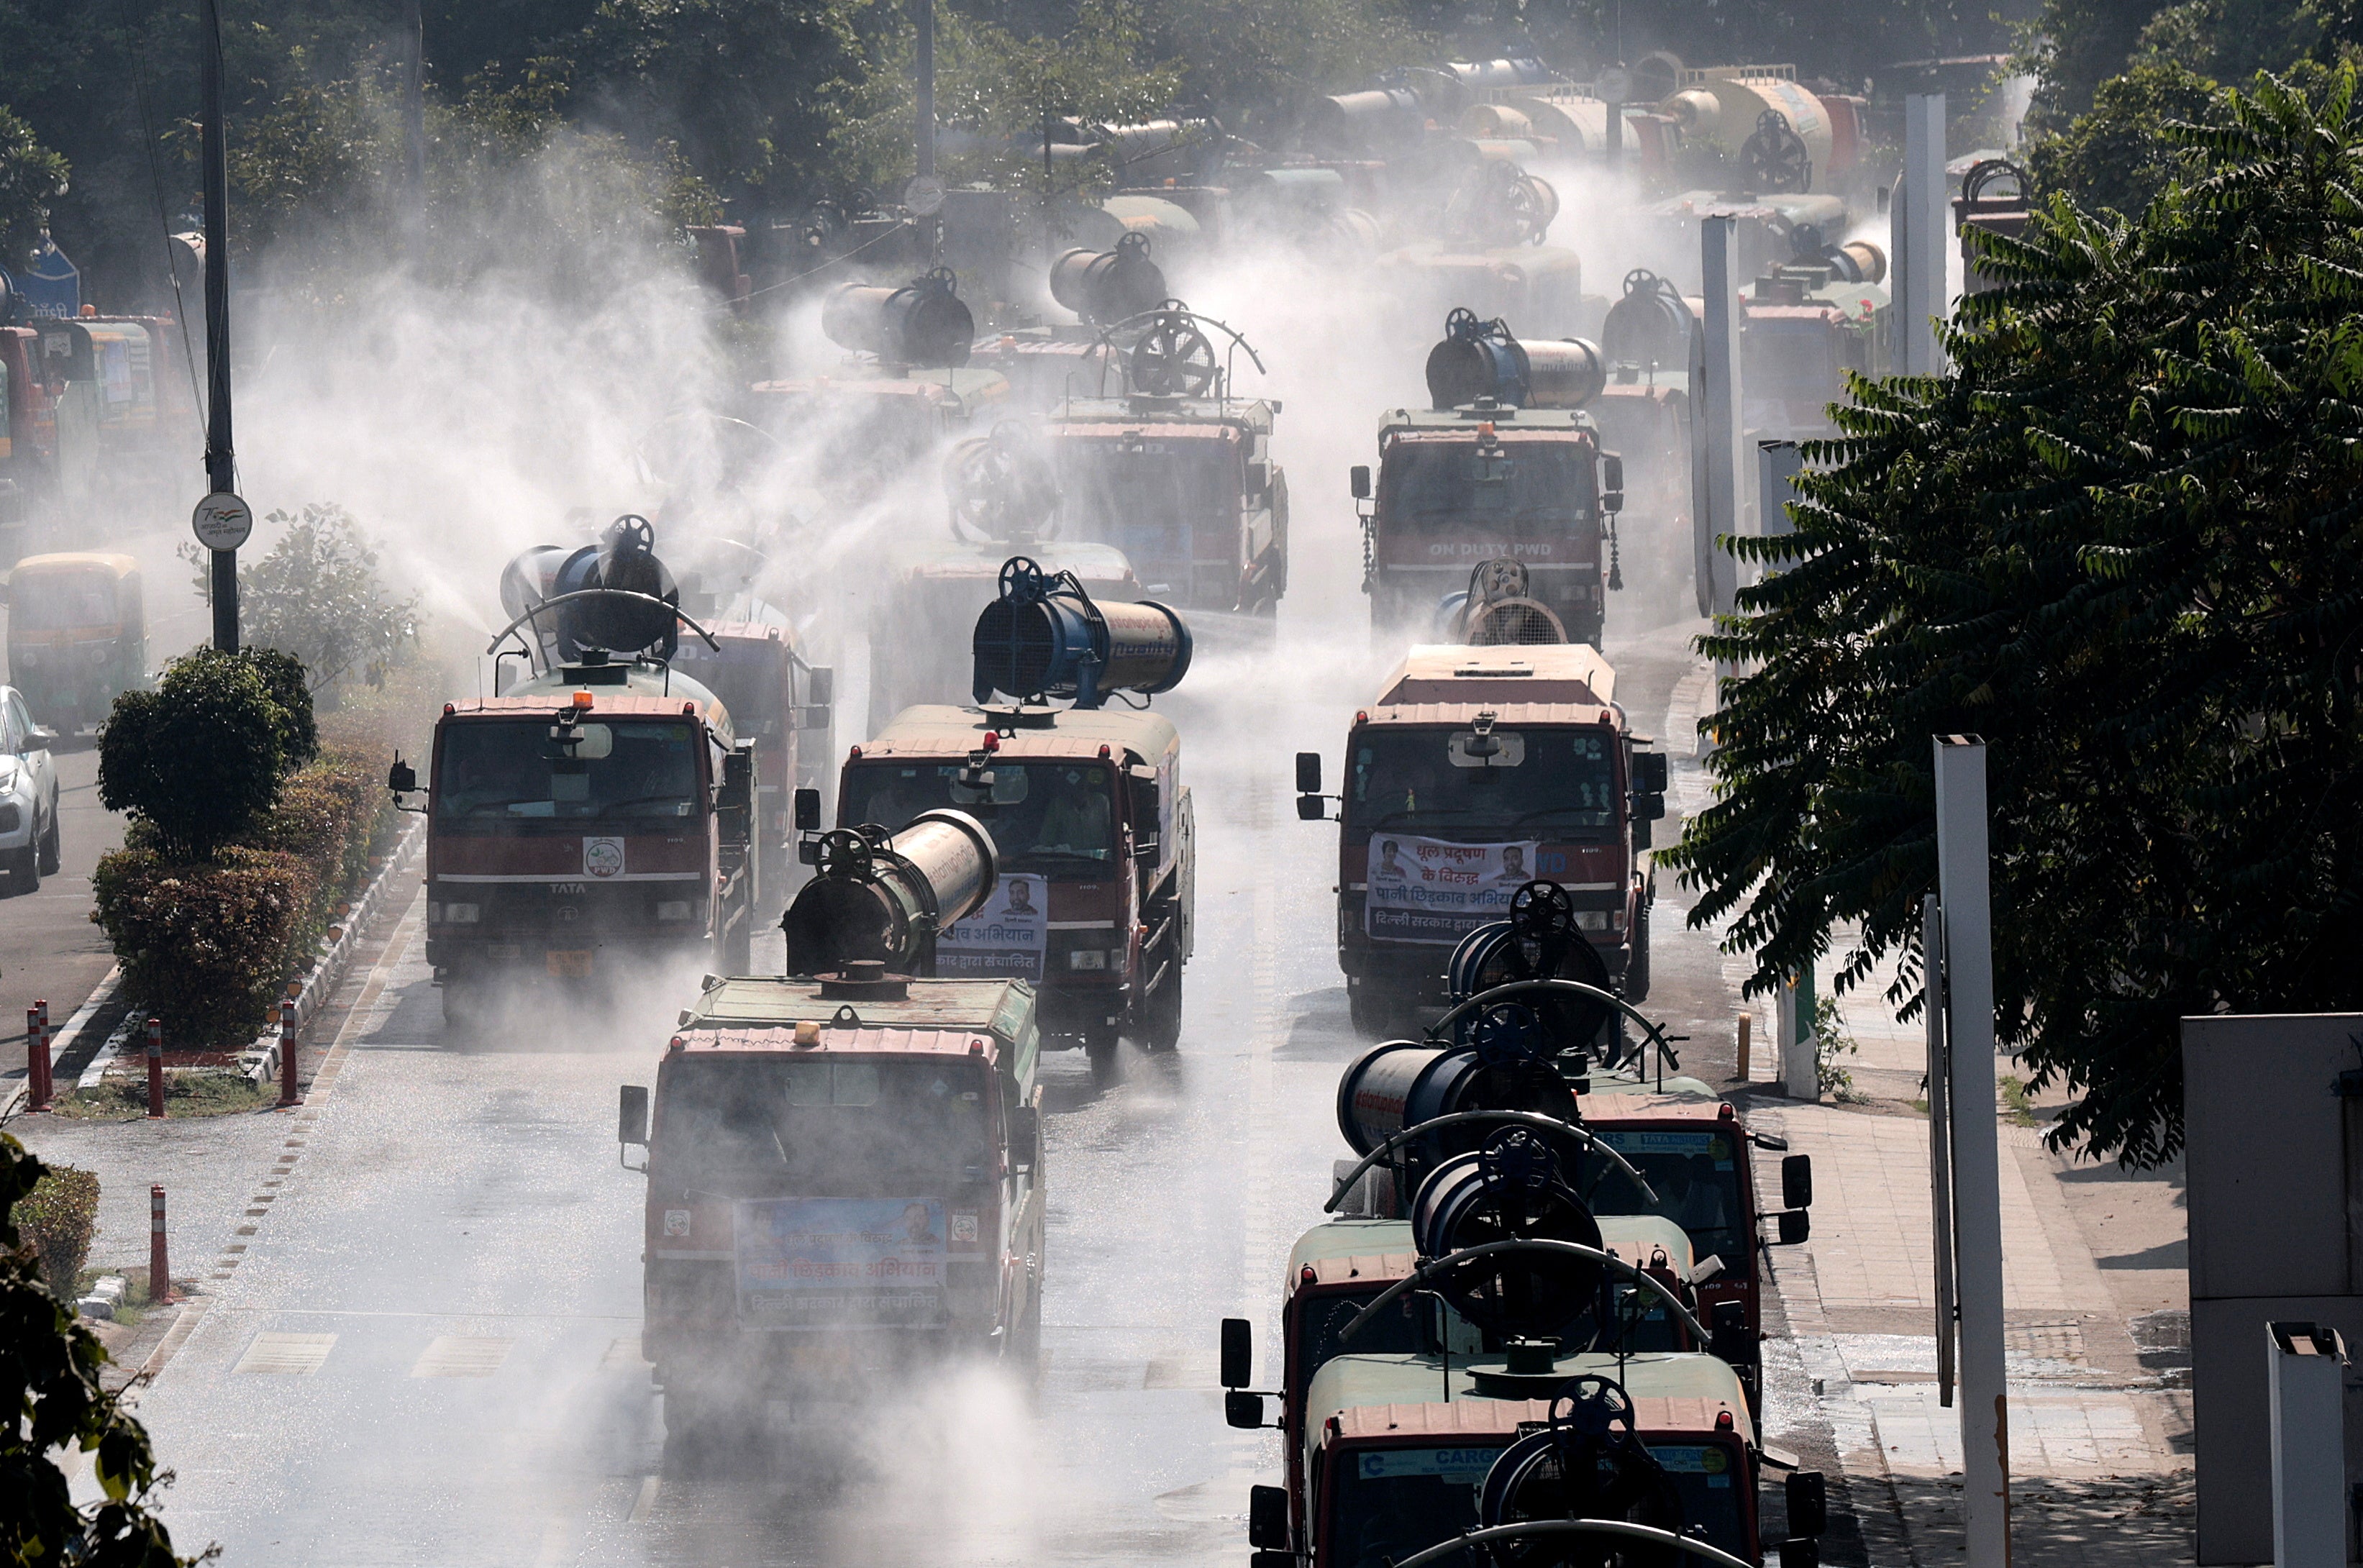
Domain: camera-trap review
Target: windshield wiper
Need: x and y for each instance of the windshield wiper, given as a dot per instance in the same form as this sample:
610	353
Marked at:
1423	811
637	800
503	804
1554	810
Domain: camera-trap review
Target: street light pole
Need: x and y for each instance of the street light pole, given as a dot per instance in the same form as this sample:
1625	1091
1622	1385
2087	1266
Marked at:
221	462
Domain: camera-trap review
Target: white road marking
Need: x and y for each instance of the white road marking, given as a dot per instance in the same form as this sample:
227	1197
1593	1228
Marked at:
276	1353
463	1355
646	1502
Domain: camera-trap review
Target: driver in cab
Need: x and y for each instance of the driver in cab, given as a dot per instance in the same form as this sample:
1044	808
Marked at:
1080	819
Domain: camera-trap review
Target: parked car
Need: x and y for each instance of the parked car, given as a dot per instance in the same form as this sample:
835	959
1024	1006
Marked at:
28	796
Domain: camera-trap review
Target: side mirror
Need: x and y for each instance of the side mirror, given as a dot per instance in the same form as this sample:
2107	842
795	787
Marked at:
1025	1135
1648	772
1308	773
402	778
1611	482
807	810
1238	1352
1268	1518
1259	478
1242	1409
1310	809
1728	1340
1797	1181
1642	838
737	793
1357	478
1649	807
1796	1226
1809	1504
1146	806
40	738
820	687
632	1114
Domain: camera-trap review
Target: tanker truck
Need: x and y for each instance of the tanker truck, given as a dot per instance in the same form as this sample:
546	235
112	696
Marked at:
1504	465
1096	831
844	1164
1177	471
597	819
1477	772
1380	1466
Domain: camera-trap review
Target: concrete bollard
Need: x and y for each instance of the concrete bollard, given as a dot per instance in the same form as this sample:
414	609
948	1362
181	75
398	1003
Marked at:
289	1085
159	1266
156	1070
1747	1029
38	1089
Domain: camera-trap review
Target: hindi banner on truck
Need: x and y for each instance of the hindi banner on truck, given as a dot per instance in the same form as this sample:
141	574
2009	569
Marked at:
839	1262
1426	890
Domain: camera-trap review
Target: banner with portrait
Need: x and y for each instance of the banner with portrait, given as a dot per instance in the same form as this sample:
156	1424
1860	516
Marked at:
1426	890
1003	938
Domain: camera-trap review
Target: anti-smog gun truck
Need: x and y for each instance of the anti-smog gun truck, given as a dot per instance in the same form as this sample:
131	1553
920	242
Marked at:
844	1162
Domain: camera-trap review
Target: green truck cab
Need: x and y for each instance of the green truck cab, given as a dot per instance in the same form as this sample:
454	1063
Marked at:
844	1177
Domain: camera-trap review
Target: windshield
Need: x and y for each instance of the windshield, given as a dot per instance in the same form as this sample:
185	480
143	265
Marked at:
823	1126
746	676
1141	493
1389	1503
1412	779
1052	819
1322	1318
64	602
493	776
1438	486
1696	1175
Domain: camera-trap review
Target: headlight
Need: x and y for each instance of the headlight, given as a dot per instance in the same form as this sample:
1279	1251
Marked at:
1592	919
462	914
1087	958
673	909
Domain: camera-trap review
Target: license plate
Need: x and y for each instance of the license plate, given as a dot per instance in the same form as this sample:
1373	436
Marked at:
569	966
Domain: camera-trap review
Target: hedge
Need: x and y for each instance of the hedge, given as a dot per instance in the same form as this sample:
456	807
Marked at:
209	948
59	1218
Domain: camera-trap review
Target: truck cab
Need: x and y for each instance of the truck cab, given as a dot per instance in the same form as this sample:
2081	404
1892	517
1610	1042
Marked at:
593	820
1390	1468
1478	770
1097	843
775	699
844	1179
1481	482
1186	487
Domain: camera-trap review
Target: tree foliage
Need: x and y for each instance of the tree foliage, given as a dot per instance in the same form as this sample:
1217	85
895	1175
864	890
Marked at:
200	758
2123	541
49	1378
2121	153
31	177
320	598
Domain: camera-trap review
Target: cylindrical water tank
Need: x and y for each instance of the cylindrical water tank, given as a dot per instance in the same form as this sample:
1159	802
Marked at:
1107	286
1563	373
1375	120
883	899
1858	261
922	323
1496	120
1405	1082
1046	637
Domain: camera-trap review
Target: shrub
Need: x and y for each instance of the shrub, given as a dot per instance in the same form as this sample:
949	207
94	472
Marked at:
283	675
206	948
59	1218
201	757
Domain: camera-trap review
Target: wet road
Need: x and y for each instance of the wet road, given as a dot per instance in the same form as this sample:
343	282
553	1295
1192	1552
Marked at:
425	1349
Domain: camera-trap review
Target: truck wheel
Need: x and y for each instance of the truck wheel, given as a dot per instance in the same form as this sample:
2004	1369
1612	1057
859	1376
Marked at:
462	1004
1099	1044
1162	1014
25	871
1637	967
51	852
1370	1009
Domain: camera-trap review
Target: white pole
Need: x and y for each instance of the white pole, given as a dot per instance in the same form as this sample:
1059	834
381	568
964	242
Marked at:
1726	484
1940	1126
1961	885
1920	295
2305	1364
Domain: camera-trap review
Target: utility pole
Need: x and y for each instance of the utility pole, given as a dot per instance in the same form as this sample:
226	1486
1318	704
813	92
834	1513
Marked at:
222	521
923	15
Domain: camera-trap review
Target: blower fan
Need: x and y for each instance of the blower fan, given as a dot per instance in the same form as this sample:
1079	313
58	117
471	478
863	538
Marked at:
1775	157
1173	358
1588	1462
1002	488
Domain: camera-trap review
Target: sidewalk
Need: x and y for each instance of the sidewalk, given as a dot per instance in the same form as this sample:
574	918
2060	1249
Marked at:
2096	1296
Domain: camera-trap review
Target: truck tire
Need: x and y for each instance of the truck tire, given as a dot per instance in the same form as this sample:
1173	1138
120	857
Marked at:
1372	1008
52	854
25	871
1637	967
1099	1045
1162	1014
462	1004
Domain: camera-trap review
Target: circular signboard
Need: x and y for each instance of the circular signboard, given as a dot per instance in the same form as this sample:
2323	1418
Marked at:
1614	85
222	521
924	196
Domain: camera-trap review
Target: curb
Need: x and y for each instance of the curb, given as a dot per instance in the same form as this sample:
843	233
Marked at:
259	1062
69	1031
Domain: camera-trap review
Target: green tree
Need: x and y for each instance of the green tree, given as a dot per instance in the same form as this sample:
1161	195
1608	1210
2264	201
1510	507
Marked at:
321	598
50	1367
2121	540
31	177
2121	153
202	756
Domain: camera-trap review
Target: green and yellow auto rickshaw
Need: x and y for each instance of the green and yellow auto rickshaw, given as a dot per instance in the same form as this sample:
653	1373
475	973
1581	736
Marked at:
77	635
